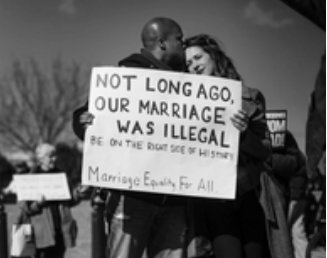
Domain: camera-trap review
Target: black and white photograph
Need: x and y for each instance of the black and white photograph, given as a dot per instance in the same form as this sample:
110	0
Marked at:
163	129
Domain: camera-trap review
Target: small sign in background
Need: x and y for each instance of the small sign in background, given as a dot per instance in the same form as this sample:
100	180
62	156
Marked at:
31	187
277	125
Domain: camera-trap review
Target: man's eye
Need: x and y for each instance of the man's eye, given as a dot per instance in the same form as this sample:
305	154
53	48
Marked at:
197	57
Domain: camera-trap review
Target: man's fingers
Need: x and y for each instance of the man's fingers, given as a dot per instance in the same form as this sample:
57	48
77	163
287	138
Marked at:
86	118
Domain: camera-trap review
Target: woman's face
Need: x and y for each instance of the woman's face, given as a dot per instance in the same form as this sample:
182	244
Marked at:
199	62
47	160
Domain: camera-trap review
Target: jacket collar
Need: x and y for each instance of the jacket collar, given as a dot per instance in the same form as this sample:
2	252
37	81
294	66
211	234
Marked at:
156	63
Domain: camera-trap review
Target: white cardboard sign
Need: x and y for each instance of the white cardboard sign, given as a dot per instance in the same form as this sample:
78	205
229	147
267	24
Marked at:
162	132
33	186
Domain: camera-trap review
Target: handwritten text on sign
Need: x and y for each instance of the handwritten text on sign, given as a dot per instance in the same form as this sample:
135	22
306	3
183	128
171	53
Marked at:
34	186
162	132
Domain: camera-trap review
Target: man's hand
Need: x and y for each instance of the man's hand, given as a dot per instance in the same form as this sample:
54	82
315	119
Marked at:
86	119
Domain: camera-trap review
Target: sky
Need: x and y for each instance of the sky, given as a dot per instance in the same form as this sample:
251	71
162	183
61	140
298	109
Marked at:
275	49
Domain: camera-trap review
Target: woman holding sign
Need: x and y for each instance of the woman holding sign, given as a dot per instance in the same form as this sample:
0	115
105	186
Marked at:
236	228
53	225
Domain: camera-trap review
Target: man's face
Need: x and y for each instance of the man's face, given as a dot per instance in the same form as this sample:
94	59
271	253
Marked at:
174	49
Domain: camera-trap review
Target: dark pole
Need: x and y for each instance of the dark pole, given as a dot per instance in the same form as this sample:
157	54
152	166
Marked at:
3	228
98	225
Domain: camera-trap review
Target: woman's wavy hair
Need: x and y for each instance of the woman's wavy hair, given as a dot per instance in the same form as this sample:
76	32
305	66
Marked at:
224	64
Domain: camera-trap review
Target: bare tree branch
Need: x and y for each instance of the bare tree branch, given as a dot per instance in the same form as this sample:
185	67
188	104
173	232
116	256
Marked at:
36	105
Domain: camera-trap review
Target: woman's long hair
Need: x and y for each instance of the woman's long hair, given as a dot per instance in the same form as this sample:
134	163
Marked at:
224	64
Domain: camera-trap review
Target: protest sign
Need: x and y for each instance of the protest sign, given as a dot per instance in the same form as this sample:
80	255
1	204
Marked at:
33	186
277	125
162	132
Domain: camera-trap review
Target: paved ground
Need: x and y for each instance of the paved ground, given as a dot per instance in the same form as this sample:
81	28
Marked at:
82	213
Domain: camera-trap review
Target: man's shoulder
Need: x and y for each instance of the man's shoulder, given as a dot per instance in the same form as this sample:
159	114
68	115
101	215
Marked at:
253	94
136	60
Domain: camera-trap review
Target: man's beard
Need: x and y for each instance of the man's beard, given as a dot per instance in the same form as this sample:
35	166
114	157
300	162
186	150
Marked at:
177	63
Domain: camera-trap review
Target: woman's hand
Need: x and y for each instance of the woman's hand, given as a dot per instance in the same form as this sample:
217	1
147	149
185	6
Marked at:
37	205
42	201
240	120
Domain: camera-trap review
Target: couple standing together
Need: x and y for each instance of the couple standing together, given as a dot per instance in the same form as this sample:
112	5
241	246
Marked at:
159	225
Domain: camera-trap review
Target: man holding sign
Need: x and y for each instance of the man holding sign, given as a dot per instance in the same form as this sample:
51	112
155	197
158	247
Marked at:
142	222
288	171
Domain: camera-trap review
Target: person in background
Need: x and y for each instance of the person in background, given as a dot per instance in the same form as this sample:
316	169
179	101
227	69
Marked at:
144	224
22	168
19	169
289	179
6	174
54	226
315	218
236	228
287	165
315	142
296	210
